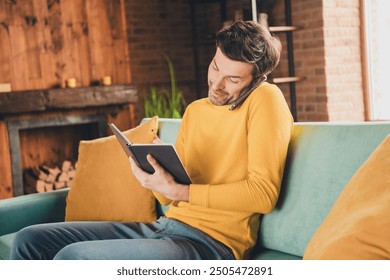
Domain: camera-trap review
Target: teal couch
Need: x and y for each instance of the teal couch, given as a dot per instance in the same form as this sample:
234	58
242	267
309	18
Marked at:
321	160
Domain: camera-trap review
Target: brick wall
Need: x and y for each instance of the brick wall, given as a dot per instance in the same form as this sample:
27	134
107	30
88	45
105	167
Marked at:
343	60
328	55
326	49
308	57
155	28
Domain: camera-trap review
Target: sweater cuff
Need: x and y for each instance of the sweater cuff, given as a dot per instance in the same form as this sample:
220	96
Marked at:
199	195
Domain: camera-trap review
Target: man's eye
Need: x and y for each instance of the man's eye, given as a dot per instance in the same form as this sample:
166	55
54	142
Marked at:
234	81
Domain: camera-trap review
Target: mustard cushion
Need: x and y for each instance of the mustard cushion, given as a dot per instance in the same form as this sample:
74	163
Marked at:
358	225
104	187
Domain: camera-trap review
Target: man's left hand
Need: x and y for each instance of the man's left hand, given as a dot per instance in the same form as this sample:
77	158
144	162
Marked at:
160	181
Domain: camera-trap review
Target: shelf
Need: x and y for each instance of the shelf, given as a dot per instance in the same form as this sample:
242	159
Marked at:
288	27
66	98
286	80
282	28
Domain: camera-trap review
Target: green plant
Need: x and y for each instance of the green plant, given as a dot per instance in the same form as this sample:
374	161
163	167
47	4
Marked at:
164	103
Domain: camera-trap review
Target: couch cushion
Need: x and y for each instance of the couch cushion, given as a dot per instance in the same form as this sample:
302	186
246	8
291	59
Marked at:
21	211
358	226
5	245
267	254
167	129
104	187
321	160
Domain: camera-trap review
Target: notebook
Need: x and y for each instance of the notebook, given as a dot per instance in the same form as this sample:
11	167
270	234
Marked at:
165	154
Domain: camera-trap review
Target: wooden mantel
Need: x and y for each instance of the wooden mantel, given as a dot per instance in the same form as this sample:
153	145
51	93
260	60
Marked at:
66	98
24	111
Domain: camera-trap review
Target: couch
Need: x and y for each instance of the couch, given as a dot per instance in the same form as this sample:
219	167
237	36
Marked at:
322	158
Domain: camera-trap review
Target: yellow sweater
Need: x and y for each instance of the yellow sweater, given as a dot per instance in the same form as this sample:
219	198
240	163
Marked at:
235	160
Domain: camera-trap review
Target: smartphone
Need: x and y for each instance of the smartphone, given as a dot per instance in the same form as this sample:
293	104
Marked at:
247	93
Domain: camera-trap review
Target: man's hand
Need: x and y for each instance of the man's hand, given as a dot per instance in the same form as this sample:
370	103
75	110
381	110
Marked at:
157	140
160	181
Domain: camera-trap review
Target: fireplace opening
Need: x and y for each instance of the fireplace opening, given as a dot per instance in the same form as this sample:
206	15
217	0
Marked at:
49	146
49	155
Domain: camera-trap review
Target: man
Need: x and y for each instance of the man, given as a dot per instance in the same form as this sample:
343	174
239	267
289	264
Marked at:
234	150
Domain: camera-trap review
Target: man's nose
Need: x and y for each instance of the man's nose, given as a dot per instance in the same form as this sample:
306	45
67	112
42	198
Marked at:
219	83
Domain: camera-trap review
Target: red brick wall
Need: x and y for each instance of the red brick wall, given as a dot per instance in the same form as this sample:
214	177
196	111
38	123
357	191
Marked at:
309	58
328	55
326	49
156	28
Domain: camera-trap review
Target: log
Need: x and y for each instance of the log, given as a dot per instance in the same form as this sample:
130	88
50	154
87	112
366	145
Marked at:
66	166
63	177
40	186
60	185
39	173
49	186
45	179
71	174
52	173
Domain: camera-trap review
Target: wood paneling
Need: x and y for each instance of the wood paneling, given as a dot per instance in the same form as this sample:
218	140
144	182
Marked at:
5	164
45	42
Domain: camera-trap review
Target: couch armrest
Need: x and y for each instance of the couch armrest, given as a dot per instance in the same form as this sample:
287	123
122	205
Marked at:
19	212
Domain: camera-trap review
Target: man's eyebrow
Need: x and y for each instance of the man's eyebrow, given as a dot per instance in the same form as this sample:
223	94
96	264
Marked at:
215	63
230	76
235	77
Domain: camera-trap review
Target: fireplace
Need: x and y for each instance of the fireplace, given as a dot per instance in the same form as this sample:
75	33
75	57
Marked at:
45	127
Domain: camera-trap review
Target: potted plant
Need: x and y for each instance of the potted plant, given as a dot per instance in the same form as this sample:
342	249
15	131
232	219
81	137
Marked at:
164	103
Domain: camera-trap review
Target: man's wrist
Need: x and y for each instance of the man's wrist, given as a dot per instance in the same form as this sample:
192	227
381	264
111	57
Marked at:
183	193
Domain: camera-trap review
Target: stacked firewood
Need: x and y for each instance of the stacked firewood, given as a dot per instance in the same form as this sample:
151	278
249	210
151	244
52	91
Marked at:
44	178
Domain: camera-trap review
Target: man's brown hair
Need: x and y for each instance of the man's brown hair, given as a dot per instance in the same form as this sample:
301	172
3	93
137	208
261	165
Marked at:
250	42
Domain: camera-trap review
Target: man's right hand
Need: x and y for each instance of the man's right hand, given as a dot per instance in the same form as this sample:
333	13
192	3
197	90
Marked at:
157	140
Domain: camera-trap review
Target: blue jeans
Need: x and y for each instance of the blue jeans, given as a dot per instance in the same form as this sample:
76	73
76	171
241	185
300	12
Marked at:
164	239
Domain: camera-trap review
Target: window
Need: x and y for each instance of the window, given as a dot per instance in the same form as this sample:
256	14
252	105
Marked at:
377	45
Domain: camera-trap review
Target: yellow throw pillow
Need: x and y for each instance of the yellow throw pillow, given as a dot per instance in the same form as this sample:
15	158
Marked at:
104	187
358	225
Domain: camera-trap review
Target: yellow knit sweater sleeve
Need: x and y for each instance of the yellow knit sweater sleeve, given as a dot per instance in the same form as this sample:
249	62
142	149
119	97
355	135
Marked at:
237	157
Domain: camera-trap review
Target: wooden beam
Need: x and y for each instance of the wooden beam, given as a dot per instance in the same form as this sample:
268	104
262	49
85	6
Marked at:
67	98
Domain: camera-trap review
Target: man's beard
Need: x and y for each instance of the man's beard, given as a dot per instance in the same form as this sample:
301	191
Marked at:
227	101
219	101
